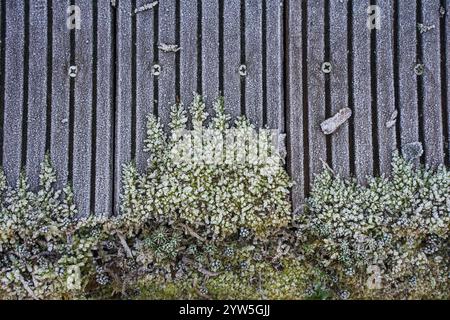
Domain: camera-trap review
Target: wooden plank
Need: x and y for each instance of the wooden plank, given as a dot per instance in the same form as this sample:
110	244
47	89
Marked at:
294	105
432	107
316	87
82	144
104	125
362	92
210	52
253	61
37	91
274	67
124	94
59	144
385	86
144	80
167	22
14	87
408	107
232	57
339	84
2	74
447	59
188	53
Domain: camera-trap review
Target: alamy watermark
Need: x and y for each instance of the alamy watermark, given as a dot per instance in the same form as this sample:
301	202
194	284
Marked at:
74	19
374	18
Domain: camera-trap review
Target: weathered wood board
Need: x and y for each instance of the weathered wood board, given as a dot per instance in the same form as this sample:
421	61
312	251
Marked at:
266	57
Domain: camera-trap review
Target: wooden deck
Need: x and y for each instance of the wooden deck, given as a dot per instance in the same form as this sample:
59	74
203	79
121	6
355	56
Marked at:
95	122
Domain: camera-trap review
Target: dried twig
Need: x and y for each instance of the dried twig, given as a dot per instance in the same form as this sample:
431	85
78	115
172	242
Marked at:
27	288
125	245
330	125
192	232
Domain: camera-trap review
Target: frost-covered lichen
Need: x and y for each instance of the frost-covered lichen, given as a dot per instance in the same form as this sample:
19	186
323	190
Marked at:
210	219
389	240
215	187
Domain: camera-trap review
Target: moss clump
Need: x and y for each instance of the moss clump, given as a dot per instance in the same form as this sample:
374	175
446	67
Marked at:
389	240
196	228
213	178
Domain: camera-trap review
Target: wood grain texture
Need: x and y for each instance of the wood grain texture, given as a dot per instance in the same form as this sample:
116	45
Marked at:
210	52
188	53
408	87
385	86
145	59
232	57
104	157
446	22
339	84
37	91
167	60
14	89
362	92
59	141
124	94
253	61
432	107
294	106
100	115
83	109
274	66
316	87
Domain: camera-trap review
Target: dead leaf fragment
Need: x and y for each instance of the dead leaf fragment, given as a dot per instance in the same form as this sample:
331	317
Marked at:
330	125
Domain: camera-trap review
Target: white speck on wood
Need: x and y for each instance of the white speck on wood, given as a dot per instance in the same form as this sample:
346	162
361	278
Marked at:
423	28
146	7
393	120
330	125
169	47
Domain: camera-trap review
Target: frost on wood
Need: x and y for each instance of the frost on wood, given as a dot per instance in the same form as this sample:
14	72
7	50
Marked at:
330	125
169	47
412	151
146	7
393	120
423	28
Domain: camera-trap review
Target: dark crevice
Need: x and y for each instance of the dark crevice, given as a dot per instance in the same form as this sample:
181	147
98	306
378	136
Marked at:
286	87
26	68
374	98
243	57
114	29
156	59
396	62
2	74
71	105
49	75
133	84
199	47
351	96
264	61
306	170
94	104
420	84
444	88
327	57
